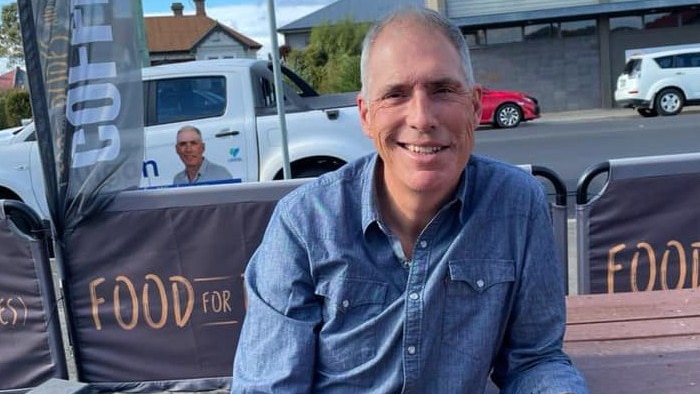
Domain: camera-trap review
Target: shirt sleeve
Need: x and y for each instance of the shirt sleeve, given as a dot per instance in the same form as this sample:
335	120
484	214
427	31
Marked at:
277	345
531	359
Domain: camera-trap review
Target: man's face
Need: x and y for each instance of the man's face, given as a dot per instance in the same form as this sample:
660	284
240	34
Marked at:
419	110
190	148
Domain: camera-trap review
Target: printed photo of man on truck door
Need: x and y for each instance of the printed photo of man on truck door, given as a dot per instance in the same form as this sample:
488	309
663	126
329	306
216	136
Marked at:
190	147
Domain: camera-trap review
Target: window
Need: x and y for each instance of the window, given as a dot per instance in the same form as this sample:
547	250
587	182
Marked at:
632	67
266	94
690	17
504	35
185	99
475	38
687	60
626	23
665	61
534	32
660	20
578	28
694	59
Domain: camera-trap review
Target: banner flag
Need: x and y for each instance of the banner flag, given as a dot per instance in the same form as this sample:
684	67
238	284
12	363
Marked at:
84	60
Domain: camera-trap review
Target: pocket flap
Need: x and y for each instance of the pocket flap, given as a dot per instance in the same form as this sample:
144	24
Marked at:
481	274
347	293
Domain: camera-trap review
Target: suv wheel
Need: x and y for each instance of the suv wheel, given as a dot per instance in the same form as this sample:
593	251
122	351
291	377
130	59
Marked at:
647	112
508	115
669	102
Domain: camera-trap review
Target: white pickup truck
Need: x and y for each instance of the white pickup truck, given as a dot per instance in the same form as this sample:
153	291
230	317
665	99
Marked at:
232	102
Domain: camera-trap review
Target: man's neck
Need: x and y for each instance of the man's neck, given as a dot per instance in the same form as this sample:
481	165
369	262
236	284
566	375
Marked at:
193	172
407	212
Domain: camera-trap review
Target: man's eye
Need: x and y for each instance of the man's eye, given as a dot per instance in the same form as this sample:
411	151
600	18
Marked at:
394	95
444	89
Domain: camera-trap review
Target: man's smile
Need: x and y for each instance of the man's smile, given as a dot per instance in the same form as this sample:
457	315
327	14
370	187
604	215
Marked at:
426	150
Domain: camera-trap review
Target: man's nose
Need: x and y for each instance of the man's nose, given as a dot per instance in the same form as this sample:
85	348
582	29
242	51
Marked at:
421	111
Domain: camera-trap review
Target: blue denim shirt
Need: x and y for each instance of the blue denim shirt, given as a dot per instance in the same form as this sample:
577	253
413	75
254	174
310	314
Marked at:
334	307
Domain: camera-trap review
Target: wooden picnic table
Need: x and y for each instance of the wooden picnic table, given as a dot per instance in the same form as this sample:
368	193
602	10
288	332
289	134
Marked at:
644	342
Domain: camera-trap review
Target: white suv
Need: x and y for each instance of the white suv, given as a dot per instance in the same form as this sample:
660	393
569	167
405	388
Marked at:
660	82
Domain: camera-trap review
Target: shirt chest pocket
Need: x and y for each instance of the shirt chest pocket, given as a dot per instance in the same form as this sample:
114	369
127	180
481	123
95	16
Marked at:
351	310
348	302
479	276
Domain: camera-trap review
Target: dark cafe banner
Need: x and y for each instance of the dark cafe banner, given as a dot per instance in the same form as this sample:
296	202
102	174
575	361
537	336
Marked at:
645	235
84	60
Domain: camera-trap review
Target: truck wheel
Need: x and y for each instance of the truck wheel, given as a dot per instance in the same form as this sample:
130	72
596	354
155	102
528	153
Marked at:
310	172
312	167
669	102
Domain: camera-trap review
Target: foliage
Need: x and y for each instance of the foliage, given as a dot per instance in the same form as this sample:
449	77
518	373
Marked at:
3	118
331	62
11	36
17	107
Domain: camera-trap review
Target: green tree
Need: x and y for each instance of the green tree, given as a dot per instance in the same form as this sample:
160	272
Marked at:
11	36
331	62
17	107
3	118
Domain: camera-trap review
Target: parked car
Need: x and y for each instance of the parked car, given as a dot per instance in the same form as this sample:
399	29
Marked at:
660	83
505	109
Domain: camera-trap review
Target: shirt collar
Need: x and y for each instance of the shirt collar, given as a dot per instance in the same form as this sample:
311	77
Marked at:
202	169
370	211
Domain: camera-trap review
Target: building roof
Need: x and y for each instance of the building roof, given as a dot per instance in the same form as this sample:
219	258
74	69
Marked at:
577	12
355	10
7	80
12	79
372	10
181	33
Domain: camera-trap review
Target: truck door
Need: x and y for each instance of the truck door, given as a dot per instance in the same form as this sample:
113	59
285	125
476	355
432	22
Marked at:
212	104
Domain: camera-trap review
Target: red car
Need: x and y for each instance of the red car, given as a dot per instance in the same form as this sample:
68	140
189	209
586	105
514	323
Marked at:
505	109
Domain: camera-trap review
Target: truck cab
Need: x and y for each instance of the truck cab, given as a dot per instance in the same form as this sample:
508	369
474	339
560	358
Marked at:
233	103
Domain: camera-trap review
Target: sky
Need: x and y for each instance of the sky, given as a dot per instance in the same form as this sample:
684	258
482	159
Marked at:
249	17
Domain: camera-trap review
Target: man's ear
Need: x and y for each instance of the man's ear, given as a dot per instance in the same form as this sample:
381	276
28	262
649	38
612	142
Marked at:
363	108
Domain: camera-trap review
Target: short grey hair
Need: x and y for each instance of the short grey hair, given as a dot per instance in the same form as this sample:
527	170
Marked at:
189	128
428	18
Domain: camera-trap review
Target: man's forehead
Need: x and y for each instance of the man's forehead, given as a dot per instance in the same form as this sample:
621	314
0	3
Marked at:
188	136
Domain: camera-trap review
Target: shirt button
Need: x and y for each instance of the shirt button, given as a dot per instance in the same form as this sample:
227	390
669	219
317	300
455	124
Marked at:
423	244
411	350
480	283
346	303
413	296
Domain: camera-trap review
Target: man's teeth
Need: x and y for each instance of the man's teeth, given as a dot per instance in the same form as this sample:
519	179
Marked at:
423	149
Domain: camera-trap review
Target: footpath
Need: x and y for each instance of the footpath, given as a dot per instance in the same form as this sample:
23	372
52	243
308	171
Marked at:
600	113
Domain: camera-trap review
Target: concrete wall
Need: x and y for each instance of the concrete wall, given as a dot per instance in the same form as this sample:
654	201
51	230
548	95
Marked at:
563	74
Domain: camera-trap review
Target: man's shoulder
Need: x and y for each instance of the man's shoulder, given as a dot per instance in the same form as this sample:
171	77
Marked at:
217	170
180	177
